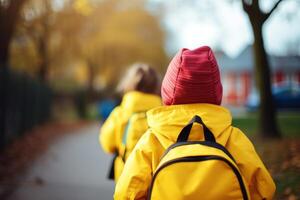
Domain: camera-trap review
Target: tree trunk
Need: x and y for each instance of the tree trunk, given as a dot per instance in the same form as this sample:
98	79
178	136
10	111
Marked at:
6	33
5	37
44	64
8	20
4	48
91	80
43	42
267	126
3	96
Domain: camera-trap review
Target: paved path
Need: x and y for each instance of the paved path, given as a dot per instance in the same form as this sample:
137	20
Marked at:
74	168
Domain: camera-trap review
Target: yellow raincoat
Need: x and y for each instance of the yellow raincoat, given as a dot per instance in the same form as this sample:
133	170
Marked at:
133	107
165	124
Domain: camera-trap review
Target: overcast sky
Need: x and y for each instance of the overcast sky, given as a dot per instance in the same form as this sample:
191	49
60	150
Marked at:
223	24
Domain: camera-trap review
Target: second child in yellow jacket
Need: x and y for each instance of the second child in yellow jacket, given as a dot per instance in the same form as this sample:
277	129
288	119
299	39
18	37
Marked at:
127	122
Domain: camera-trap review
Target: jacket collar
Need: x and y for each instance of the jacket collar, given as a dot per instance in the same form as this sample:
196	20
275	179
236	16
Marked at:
169	120
135	101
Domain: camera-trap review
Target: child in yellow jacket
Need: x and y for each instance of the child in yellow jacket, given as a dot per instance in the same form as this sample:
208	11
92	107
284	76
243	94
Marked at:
191	86
127	122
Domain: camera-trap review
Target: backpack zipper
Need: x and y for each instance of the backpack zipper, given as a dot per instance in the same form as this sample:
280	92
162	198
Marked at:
200	159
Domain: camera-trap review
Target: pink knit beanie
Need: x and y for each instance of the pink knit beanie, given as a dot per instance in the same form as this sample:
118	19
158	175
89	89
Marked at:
192	77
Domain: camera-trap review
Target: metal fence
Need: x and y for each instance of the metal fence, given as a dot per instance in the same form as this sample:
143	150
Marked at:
24	103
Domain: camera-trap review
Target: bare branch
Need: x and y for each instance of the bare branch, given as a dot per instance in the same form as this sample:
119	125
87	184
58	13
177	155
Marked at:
14	7
246	6
267	15
255	3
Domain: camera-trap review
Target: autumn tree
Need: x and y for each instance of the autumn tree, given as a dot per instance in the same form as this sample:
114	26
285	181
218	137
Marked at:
45	38
9	15
267	113
35	28
90	43
113	38
41	32
100	37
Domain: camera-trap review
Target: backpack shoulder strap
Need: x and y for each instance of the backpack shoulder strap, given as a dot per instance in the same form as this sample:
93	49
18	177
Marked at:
125	134
185	132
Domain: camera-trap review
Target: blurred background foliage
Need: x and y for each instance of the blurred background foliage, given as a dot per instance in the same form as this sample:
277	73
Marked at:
70	55
76	45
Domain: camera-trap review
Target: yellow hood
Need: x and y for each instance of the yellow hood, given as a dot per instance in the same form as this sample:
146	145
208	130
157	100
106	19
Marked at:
137	102
168	121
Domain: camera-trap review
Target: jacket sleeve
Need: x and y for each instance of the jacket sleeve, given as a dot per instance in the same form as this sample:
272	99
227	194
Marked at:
136	176
108	132
260	182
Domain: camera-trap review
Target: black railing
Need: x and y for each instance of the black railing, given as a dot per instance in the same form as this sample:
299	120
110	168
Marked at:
24	103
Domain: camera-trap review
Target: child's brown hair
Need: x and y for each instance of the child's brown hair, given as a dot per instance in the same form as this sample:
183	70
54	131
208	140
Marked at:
140	77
